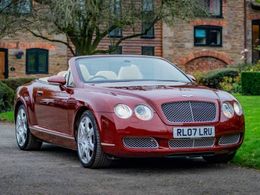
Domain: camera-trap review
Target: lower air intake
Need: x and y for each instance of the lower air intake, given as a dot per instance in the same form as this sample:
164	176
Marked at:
229	139
144	142
192	143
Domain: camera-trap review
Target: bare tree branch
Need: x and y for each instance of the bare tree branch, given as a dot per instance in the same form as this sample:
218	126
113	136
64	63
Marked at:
52	40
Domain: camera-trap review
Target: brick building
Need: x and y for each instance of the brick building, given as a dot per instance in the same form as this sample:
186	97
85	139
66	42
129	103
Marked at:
216	41
199	45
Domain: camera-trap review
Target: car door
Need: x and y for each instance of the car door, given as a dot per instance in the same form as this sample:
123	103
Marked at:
51	108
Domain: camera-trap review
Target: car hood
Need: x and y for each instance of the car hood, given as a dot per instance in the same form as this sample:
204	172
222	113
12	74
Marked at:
161	93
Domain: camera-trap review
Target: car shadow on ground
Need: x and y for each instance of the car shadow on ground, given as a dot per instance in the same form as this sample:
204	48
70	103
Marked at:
169	163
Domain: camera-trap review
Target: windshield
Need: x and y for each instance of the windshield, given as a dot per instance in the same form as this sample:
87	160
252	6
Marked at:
125	68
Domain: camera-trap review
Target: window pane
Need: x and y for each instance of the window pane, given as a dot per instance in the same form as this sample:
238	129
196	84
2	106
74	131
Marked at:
200	36
150	32
31	61
4	4
36	61
208	36
215	7
214	37
116	14
117	8
148	5
200	33
116	32
43	62
24	6
116	50
149	51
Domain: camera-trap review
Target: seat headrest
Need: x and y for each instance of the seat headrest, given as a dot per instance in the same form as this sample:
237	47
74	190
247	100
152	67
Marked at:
84	71
108	74
129	72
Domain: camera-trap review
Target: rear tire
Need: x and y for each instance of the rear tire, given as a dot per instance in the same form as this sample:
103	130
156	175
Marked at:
220	158
90	152
24	138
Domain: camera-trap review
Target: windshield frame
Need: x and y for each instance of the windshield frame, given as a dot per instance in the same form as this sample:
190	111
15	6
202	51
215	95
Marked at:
130	56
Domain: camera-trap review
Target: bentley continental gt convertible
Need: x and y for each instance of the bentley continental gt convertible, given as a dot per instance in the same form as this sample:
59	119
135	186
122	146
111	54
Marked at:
107	107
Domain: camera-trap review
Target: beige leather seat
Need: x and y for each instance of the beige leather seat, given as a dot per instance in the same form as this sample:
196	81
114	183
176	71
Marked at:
85	73
129	72
107	74
62	73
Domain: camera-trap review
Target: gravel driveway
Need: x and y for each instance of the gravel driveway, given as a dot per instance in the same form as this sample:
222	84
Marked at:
54	170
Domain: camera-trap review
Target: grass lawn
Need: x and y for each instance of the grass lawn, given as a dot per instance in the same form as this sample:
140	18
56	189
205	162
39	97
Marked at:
7	116
249	153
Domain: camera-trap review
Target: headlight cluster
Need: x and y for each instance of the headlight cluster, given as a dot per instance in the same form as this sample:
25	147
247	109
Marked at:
229	110
142	112
123	111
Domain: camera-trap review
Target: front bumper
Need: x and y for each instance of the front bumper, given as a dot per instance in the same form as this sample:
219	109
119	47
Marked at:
113	131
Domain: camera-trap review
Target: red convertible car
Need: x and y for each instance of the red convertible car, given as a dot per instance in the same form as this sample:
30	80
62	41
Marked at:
108	107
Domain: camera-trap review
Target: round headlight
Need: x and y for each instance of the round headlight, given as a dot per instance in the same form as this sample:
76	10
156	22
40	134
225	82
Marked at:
123	111
238	109
143	112
228	110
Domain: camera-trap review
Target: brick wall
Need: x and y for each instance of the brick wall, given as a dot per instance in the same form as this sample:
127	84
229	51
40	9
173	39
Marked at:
178	45
134	45
23	41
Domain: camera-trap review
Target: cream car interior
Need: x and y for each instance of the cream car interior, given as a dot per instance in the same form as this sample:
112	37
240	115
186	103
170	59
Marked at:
129	72
107	74
85	73
125	73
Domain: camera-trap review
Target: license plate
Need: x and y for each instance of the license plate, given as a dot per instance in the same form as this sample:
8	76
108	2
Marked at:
193	132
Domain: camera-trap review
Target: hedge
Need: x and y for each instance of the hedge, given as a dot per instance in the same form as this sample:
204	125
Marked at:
250	83
15	83
214	78
6	97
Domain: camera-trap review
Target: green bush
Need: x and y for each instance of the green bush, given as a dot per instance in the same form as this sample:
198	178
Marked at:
6	98
250	83
15	83
230	84
214	78
247	67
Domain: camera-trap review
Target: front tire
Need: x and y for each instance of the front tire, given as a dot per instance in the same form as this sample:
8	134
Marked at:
220	158
24	138
90	152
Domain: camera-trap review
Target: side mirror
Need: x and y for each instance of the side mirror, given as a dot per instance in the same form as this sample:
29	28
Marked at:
60	80
191	77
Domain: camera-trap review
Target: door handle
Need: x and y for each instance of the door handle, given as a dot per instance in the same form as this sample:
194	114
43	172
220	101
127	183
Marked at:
39	93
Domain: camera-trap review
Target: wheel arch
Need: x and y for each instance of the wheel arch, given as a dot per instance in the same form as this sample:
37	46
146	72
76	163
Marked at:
78	114
18	103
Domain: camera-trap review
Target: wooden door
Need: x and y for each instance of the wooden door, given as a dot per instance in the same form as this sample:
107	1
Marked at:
2	65
255	40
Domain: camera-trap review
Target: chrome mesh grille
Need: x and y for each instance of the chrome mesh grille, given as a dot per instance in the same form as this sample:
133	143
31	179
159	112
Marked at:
229	139
135	142
192	143
189	111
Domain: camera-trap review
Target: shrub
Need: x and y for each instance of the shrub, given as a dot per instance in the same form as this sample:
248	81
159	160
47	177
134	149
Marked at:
214	78
6	97
15	83
247	67
230	84
250	83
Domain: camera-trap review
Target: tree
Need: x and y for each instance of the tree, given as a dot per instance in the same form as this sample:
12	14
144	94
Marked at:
87	22
11	16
